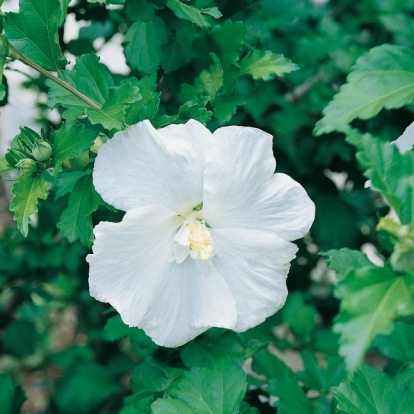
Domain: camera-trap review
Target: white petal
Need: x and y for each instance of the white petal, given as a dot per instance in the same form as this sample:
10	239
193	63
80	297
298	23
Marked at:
280	205
238	161
142	166
406	141
255	265
194	299
131	260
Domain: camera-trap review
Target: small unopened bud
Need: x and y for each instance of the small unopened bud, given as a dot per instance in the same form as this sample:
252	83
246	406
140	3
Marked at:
98	142
42	150
26	139
27	165
13	156
77	164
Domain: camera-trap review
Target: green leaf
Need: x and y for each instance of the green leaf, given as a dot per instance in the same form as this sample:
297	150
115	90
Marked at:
229	38
67	180
11	396
27	190
34	32
147	106
144	45
225	106
20	338
218	390
300	316
264	64
211	347
90	78
345	260
76	220
317	378
178	51
112	114
390	172
371	299
282	384
84	387
71	140
139	10
372	392
196	16
4	166
399	344
210	81
382	78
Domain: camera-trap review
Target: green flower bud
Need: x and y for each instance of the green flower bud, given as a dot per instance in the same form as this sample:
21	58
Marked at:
27	165
77	164
42	150
13	156
27	138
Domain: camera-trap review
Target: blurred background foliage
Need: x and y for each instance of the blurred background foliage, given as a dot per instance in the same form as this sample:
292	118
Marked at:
72	354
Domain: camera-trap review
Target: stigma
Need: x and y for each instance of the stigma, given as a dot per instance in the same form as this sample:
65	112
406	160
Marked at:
194	240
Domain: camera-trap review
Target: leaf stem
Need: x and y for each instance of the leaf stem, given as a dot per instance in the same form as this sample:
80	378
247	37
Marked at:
55	79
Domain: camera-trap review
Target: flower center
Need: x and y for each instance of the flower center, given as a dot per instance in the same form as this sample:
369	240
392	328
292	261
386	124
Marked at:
193	239
199	240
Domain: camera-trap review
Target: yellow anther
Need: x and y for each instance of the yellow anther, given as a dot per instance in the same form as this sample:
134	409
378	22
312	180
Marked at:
199	240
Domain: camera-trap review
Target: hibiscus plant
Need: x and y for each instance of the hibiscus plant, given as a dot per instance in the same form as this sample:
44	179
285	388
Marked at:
209	209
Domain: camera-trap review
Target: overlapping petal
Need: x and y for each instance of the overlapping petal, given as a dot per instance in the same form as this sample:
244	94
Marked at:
238	161
131	260
144	166
279	205
194	299
254	265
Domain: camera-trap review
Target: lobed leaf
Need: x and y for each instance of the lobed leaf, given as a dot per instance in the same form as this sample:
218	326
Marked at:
390	172
217	390
372	392
265	65
144	45
371	299
194	15
382	78
71	140
27	190
76	221
345	260
34	32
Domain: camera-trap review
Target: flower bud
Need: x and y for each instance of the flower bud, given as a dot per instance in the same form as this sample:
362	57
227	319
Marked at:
77	164
98	142
42	150
27	165
13	156
26	139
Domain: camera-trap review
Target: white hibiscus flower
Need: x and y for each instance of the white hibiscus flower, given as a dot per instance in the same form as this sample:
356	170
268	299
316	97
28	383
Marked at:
205	241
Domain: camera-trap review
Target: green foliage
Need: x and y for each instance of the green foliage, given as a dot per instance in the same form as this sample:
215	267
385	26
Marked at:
145	41
194	15
218	389
371	299
27	190
266	65
76	221
390	172
11	396
371	392
34	32
383	78
219	63
85	387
